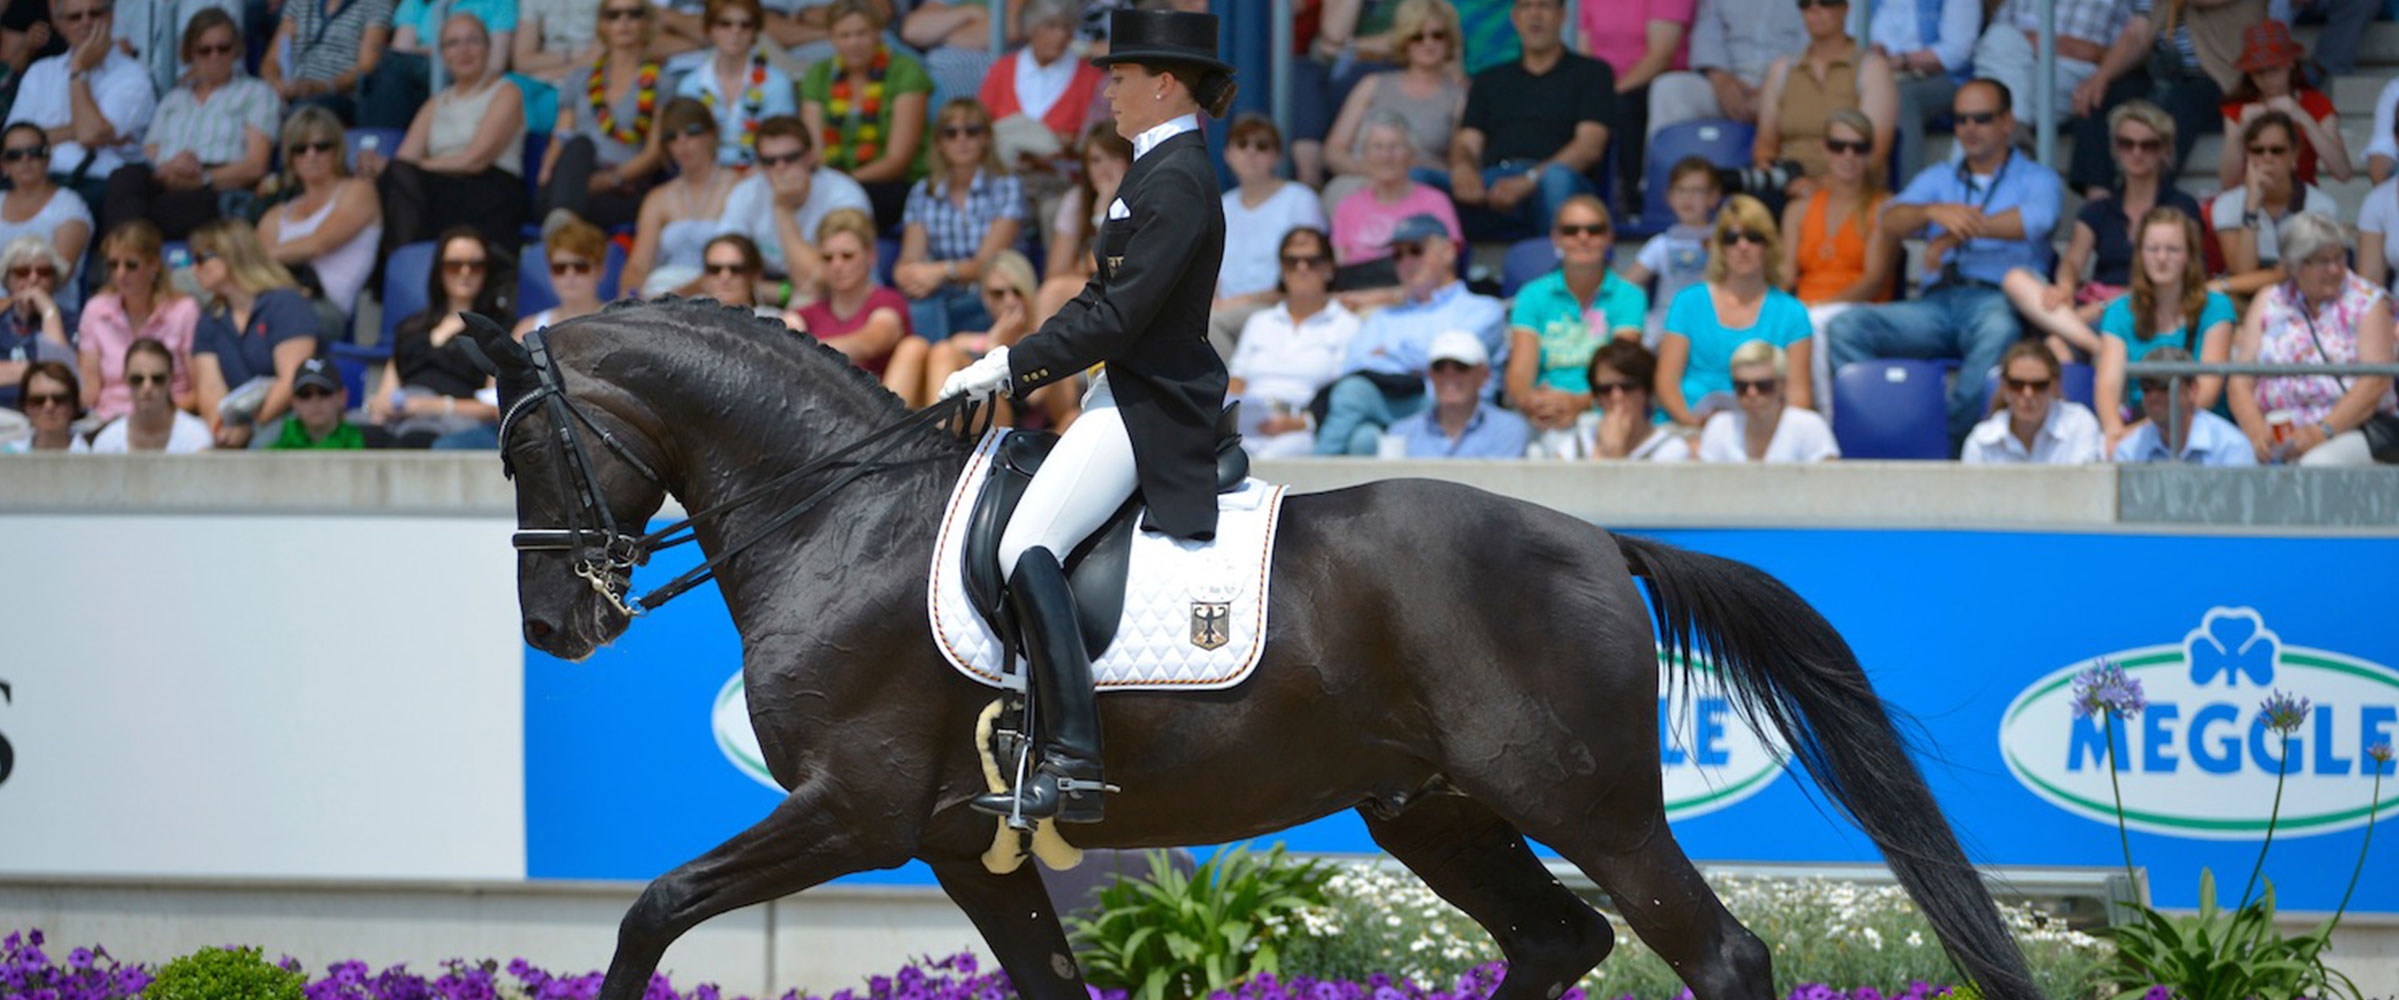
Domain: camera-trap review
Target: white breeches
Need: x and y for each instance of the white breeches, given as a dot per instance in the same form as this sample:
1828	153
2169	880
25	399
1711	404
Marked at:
1087	476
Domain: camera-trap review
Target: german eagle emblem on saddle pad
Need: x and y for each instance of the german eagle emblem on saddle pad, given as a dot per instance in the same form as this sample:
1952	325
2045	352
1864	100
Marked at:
1193	614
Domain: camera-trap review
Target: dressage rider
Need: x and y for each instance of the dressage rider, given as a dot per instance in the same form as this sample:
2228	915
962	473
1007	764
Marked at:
1149	419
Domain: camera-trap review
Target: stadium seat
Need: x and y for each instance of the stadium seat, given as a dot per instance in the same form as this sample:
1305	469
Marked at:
2081	384
1891	409
537	145
887	253
405	273
533	291
1720	141
1526	260
355	362
382	140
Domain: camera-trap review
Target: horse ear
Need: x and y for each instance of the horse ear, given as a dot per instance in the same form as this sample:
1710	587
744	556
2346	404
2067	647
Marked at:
491	347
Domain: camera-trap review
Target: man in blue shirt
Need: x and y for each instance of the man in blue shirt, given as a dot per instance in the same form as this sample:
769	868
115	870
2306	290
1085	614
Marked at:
1387	358
1460	423
1989	215
2206	439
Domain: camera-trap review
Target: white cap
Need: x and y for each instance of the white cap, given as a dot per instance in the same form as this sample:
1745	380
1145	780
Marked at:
1459	346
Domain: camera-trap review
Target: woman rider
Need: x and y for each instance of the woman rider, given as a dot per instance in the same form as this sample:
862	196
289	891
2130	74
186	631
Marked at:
1149	419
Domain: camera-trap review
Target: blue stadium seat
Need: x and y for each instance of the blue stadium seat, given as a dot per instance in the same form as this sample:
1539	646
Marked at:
537	145
382	140
1891	409
887	253
2081	384
533	291
404	275
1526	260
1720	141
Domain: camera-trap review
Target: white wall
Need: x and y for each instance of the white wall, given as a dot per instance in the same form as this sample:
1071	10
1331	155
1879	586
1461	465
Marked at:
289	696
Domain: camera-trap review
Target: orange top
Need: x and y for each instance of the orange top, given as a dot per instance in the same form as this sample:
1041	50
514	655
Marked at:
1829	262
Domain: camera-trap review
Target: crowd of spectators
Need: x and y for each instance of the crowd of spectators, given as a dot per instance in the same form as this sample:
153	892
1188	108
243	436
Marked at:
188	228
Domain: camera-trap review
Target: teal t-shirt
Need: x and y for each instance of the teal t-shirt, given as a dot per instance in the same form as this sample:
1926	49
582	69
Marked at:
2117	322
1570	333
1490	37
426	17
1782	321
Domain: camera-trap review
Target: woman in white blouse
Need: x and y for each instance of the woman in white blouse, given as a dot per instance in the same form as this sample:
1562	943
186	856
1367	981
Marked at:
1291	351
2032	422
1764	427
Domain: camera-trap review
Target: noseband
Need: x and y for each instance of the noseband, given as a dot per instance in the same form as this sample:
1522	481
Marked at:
603	553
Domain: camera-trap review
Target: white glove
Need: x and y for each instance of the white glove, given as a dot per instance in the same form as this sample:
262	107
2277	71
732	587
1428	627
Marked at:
981	379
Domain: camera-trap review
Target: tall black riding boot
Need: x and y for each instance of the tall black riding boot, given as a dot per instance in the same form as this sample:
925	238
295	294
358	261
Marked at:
1066	784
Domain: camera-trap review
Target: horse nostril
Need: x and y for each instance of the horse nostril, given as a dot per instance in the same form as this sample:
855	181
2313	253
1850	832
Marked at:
537	629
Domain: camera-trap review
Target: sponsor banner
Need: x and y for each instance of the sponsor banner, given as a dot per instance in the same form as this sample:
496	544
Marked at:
270	697
640	758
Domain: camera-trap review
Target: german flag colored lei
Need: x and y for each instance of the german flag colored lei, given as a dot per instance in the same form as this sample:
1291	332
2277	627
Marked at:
862	118
753	101
645	101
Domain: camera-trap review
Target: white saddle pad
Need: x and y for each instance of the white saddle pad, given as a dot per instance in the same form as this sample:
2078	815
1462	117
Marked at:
1195	612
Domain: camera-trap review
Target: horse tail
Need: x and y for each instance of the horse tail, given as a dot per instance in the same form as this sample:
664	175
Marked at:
1783	664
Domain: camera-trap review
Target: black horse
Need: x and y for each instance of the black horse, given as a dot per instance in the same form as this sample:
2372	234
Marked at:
1463	688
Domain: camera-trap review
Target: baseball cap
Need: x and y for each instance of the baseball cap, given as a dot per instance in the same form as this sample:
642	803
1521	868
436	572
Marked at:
1460	346
318	372
1420	226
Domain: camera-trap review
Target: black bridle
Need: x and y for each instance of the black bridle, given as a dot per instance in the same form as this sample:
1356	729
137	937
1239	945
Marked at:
604	554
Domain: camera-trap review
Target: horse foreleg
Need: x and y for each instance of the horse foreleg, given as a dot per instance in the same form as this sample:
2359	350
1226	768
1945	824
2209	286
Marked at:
1481	865
1014	914
805	841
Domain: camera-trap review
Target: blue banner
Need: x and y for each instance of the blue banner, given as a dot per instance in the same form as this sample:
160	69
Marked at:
635	762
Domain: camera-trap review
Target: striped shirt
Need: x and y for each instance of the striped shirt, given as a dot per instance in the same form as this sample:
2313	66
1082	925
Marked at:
214	129
956	233
325	45
2090	20
2183	47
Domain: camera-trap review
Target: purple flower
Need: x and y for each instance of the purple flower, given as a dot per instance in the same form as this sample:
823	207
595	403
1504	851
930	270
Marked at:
2282	713
2380	752
2106	688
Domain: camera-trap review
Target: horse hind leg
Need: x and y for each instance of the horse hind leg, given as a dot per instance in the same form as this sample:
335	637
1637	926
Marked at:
1481	865
1654	886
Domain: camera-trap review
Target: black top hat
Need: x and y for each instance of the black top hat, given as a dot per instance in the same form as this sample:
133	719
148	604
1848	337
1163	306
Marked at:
1162	36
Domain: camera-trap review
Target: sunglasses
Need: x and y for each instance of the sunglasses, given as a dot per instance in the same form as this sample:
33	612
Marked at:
20	153
1736	237
2155	388
1977	117
207	51
697	128
1256	146
24	271
2269	150
1583	229
624	13
1851	147
786	159
736	25
961	131
2129	144
1306	262
37	400
140	379
463	266
319	146
1430	36
998	292
121	264
1450	367
727	270
2015	384
1610	390
562	268
1408	251
1811	4
204	256
307	393
1763	386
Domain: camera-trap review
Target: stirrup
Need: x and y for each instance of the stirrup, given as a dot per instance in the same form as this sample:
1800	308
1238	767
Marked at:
1047	795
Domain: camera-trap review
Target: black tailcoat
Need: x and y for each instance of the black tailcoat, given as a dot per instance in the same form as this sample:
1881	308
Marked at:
1145	315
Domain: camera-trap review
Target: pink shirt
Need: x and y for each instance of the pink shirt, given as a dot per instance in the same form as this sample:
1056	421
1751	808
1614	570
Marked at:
105	330
1362	225
1620	41
823	324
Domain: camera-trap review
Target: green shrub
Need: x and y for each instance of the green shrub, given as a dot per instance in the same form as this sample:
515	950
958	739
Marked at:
221	974
2216	954
1171	937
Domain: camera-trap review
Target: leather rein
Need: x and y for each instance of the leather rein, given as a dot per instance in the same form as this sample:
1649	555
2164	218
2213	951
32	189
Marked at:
604	553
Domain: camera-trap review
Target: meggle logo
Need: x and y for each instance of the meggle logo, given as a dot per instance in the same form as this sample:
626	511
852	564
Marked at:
2195	763
730	721
1710	758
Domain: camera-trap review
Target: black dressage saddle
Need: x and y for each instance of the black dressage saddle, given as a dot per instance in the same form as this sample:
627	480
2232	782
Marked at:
1095	569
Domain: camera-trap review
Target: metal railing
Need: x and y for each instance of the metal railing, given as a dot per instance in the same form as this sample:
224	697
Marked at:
2174	372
